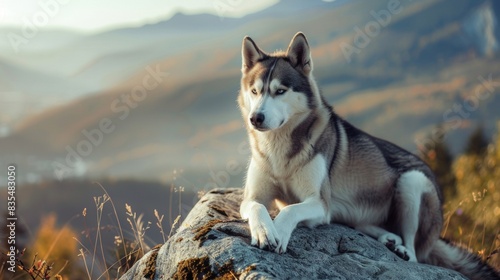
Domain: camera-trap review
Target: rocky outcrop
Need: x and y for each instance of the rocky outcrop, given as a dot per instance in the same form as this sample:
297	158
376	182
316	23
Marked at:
213	243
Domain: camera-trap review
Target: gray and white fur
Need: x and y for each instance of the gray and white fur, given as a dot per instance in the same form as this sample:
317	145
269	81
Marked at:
317	168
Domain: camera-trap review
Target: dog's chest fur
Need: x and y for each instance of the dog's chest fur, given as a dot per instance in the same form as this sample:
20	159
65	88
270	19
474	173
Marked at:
289	174
282	166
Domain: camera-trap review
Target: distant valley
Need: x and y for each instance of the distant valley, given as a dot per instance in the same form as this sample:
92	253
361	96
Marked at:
395	75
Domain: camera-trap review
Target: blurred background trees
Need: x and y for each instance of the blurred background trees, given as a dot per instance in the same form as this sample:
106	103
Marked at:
471	187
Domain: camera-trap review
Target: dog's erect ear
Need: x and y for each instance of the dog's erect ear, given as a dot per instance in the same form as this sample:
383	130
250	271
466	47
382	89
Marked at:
250	54
299	53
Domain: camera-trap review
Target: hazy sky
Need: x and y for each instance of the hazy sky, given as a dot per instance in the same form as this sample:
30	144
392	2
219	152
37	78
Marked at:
95	15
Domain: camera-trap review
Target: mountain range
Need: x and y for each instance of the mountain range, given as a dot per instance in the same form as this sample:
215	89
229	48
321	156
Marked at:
396	69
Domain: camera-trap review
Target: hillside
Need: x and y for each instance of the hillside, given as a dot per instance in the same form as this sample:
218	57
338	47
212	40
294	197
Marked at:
397	85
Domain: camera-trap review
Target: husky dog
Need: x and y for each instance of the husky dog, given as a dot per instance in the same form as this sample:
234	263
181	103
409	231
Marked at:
316	168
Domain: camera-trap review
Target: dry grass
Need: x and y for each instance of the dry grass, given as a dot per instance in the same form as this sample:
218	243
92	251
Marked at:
61	253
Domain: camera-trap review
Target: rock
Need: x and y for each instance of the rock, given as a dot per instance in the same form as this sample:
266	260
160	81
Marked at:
213	243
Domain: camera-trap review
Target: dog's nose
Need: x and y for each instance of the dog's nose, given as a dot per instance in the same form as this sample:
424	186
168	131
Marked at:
257	119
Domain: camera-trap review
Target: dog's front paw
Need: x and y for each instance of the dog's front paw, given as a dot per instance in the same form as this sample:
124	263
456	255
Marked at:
284	229
263	232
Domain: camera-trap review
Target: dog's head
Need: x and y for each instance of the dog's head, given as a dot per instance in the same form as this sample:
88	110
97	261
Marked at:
276	88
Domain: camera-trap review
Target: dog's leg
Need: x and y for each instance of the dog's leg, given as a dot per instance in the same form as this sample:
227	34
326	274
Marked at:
262	229
311	210
259	193
410	188
290	216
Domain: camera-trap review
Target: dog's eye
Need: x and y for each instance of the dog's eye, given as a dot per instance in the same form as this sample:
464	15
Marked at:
254	91
280	91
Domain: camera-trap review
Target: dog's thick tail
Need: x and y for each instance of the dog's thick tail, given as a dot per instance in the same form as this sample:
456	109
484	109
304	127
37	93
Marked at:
448	255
